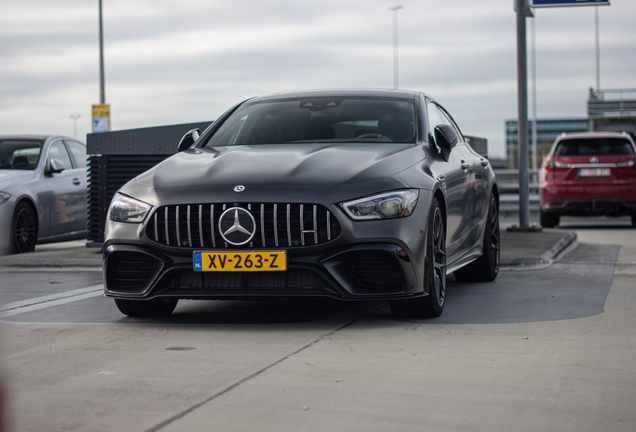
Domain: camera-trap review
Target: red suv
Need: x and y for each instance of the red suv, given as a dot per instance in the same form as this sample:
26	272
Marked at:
588	174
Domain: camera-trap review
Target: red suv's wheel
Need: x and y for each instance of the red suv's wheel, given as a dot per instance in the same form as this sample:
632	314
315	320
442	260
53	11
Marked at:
549	220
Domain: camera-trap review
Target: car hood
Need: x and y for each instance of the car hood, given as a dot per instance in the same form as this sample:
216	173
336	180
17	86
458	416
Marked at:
10	177
308	164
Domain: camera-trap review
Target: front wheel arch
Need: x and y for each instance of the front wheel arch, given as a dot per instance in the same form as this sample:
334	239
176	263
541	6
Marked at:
431	304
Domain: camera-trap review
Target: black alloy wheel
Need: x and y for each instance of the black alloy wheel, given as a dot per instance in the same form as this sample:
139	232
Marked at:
439	258
431	305
146	308
485	268
23	229
495	237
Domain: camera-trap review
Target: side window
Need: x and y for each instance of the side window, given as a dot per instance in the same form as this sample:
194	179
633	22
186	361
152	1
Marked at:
450	120
434	118
58	151
79	154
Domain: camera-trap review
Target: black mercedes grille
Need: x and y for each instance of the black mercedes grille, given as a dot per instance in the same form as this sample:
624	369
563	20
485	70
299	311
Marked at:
277	225
376	269
129	269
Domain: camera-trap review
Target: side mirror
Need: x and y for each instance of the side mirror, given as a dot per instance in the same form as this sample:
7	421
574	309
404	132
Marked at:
446	139
188	139
54	166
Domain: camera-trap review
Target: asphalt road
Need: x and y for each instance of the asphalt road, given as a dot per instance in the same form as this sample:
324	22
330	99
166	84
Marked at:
541	350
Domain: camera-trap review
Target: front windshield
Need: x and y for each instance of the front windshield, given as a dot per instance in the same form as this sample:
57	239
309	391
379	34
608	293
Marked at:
19	154
319	120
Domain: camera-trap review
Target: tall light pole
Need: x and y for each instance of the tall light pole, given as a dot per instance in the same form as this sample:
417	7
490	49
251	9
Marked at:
102	92
522	96
535	157
598	53
395	10
74	118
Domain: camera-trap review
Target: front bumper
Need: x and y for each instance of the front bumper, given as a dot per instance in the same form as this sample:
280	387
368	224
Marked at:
372	270
588	200
590	207
381	259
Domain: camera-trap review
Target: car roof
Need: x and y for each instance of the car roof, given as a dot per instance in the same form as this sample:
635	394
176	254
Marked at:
579	135
38	137
394	94
33	137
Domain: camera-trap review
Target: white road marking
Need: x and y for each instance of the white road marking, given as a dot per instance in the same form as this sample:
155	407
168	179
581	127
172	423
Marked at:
16	269
46	301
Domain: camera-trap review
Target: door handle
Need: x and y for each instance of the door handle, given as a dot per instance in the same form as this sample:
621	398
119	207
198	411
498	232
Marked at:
76	181
465	165
484	163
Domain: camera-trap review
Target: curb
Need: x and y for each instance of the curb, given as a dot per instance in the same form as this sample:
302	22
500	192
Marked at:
546	258
559	247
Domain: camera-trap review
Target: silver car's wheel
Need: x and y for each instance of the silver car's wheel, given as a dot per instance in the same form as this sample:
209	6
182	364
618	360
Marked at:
23	229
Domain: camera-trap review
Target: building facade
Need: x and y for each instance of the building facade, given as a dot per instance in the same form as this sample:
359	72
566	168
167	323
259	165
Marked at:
547	131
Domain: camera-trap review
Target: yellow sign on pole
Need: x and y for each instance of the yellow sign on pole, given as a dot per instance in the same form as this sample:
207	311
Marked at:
101	118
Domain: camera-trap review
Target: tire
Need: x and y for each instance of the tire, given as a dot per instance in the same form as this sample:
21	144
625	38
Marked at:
431	305
146	308
549	220
634	220
485	268
24	229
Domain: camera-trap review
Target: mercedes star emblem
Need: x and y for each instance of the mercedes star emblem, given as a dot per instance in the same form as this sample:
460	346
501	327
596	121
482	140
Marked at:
239	188
237	226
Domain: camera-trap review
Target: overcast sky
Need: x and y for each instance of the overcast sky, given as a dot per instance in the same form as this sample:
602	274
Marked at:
170	62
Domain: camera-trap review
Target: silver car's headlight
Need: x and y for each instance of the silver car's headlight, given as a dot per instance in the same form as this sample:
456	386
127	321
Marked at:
4	197
127	209
389	205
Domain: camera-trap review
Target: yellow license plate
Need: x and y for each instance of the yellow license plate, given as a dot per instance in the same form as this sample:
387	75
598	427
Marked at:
240	261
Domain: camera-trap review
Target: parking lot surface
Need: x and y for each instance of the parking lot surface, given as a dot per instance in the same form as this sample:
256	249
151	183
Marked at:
547	346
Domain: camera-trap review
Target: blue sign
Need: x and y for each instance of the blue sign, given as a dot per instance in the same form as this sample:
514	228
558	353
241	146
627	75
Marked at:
198	261
559	3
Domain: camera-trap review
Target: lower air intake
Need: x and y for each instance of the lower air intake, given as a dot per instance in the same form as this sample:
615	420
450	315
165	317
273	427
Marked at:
129	270
375	269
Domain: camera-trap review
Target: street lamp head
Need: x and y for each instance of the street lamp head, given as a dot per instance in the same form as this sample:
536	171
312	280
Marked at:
396	8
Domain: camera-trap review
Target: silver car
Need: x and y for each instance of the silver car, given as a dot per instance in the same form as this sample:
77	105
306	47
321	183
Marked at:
43	191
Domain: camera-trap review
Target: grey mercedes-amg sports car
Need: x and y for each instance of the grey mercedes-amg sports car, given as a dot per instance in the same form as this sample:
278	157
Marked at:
349	194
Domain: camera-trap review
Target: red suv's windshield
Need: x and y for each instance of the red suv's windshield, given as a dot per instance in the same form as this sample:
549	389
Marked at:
594	147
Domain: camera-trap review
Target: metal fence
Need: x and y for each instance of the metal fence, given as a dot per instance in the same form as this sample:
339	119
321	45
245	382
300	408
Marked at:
509	190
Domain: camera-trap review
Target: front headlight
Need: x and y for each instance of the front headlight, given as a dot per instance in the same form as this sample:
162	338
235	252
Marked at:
4	197
127	209
396	204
